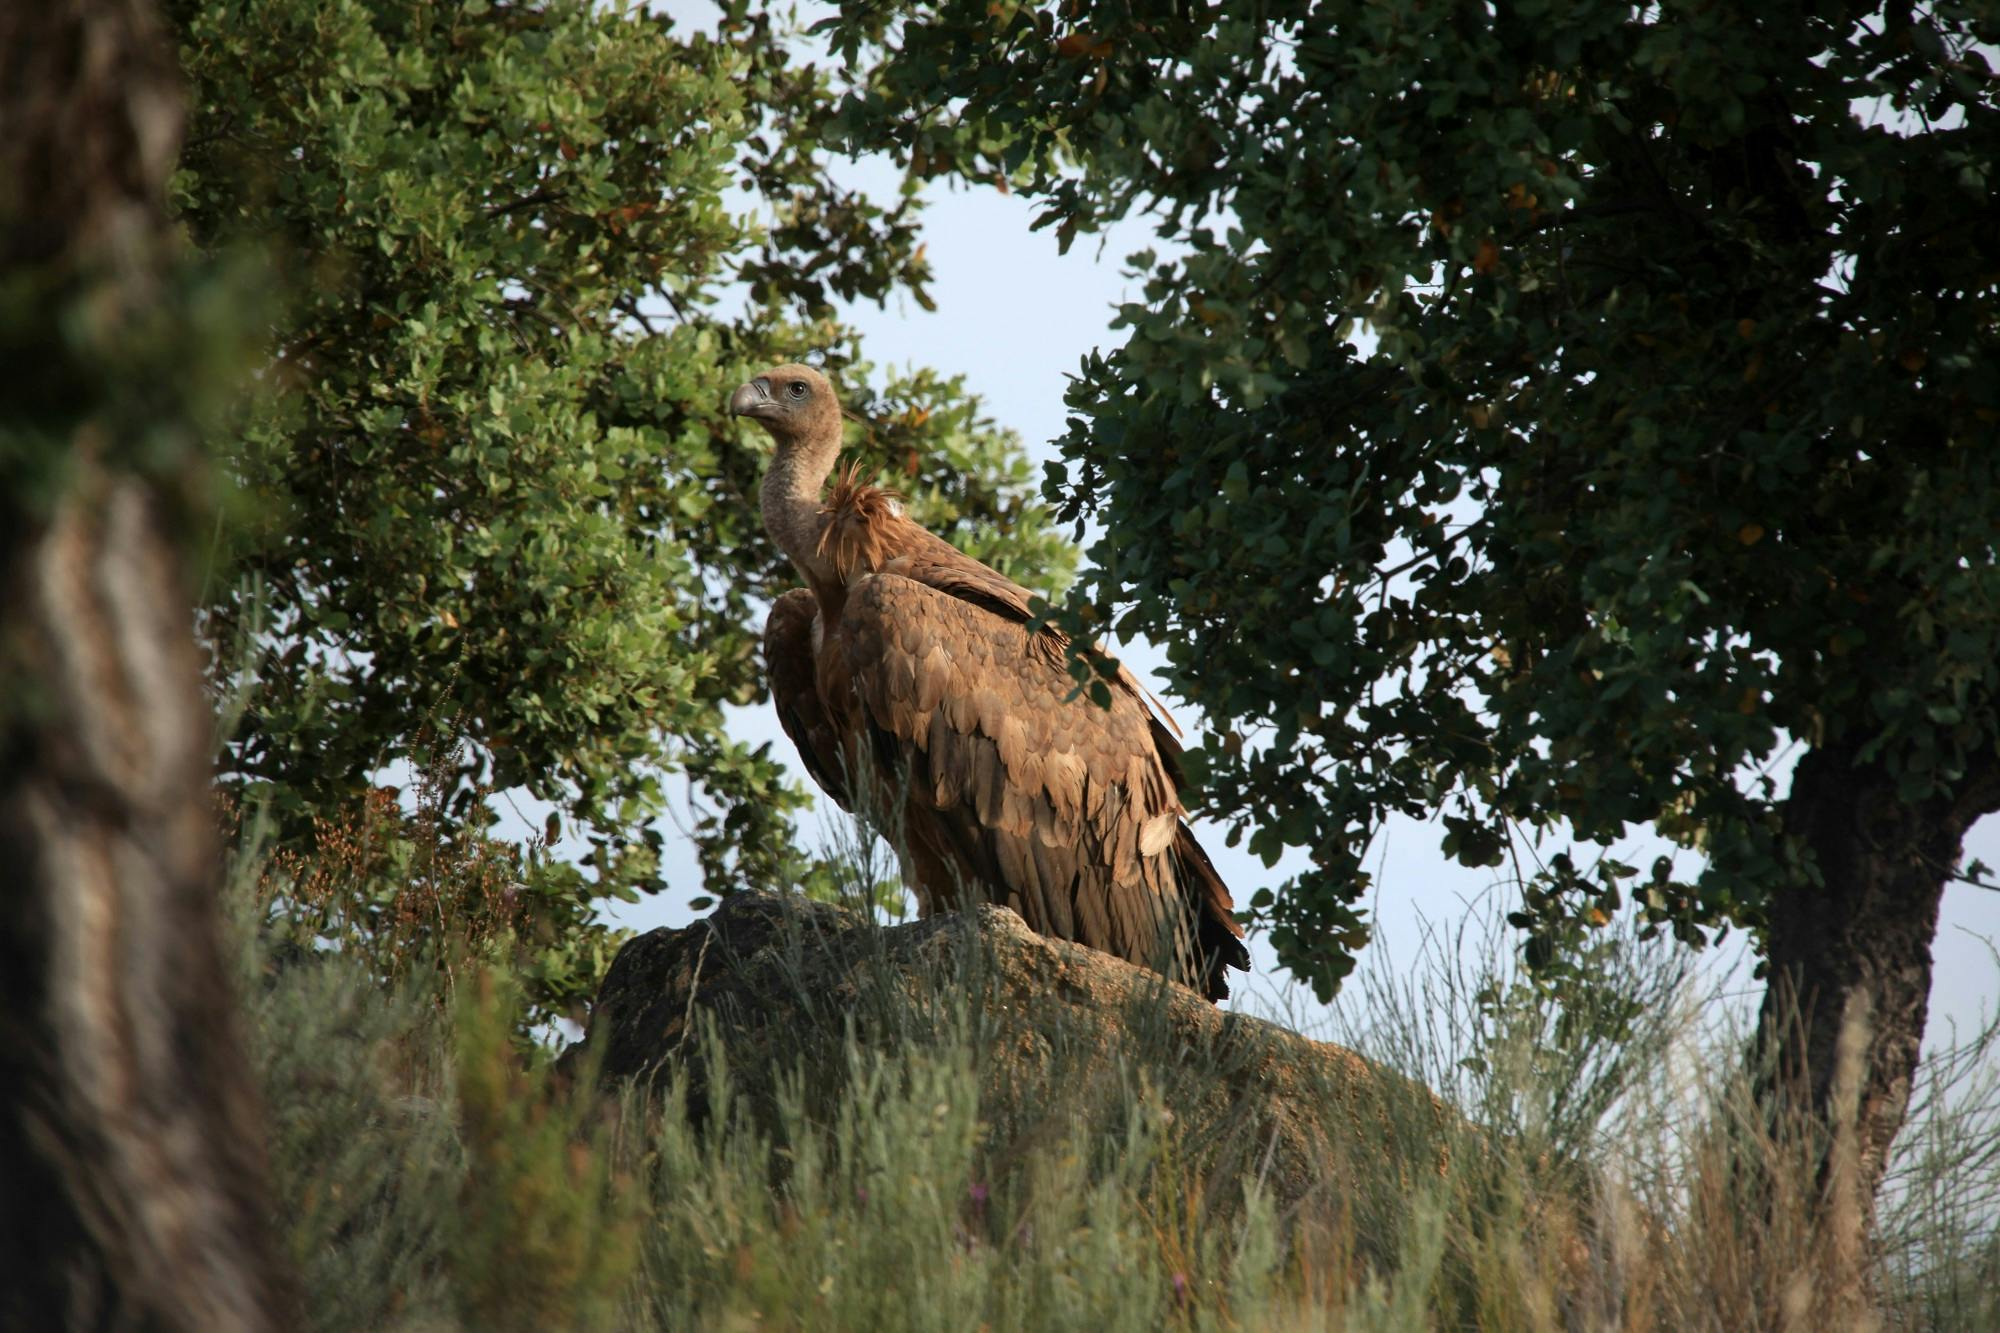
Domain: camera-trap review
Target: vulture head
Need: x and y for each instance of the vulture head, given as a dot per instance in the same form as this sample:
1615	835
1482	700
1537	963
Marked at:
796	405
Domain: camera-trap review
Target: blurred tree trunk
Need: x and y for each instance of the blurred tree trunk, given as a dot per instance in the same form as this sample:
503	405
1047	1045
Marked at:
132	1180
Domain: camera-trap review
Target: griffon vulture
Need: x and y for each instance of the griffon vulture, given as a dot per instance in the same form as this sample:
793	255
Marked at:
906	659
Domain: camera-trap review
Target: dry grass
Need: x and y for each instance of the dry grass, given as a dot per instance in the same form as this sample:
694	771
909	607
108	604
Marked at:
1612	1172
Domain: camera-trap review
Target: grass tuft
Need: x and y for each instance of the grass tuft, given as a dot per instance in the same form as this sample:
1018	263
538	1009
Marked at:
1601	1166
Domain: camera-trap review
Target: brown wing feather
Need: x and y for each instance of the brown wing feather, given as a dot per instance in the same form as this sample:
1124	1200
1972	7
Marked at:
788	665
864	530
1065	811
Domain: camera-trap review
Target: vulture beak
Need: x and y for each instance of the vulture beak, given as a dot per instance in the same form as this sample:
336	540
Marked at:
753	400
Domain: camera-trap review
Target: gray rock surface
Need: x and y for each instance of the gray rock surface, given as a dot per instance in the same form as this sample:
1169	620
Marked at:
1061	1031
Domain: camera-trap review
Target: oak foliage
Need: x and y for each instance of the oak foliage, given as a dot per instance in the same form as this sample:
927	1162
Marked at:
487	507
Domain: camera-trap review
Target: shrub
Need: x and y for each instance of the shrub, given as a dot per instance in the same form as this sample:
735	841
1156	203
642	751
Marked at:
1596	1176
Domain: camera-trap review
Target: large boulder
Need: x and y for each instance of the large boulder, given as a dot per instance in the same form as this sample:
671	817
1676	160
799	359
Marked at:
1061	1032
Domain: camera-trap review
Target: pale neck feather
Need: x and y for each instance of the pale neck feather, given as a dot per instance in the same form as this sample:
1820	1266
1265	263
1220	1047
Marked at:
790	500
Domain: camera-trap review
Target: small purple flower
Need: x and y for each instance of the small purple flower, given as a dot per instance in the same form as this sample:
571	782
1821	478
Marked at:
1180	1289
861	1194
978	1192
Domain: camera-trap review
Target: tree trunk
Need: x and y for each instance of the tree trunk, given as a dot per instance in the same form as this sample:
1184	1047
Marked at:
1856	948
132	1183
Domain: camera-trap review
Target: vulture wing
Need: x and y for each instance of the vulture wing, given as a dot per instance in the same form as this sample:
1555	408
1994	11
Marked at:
865	528
788	665
1069	812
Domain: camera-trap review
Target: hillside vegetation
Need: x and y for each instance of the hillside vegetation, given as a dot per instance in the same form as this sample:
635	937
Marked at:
437	1174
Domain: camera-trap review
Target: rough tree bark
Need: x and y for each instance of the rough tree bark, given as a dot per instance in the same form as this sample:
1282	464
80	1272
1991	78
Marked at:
132	1182
1858	945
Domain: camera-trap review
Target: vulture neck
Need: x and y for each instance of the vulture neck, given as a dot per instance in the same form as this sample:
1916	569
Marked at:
791	503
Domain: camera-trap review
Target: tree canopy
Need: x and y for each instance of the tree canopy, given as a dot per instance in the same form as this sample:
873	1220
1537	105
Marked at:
1671	441
490	494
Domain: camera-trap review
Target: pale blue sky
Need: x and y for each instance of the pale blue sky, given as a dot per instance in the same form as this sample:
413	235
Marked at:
1015	318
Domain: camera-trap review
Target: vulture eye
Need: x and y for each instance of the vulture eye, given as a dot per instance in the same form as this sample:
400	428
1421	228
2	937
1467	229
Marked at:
798	388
